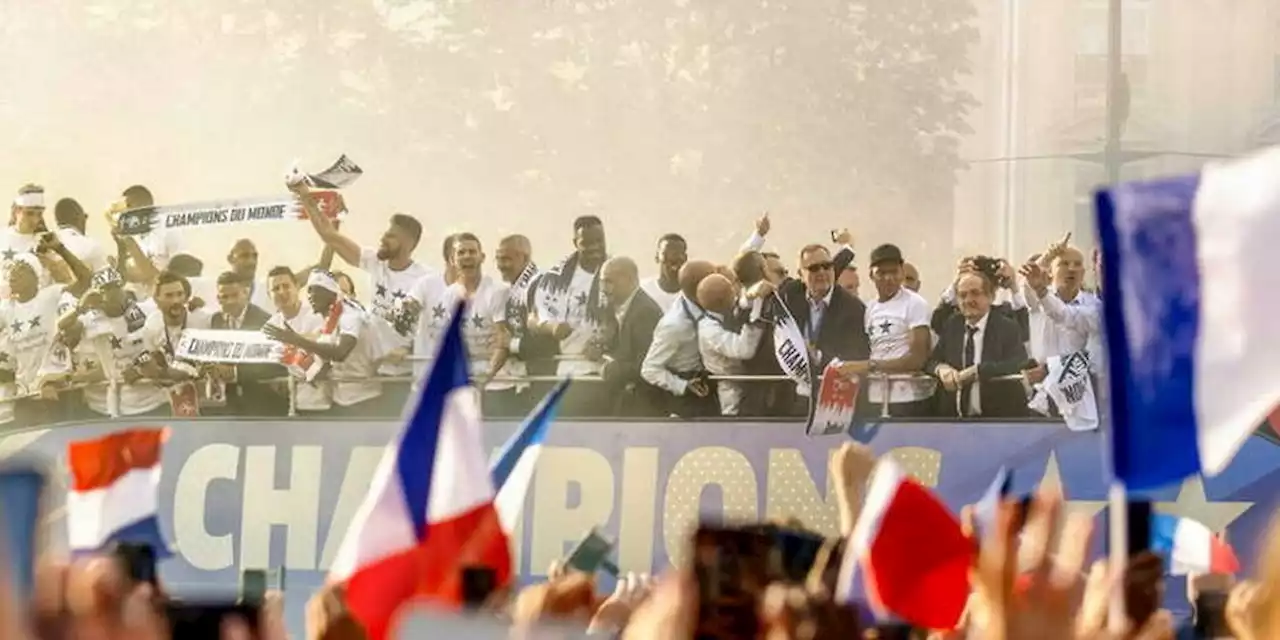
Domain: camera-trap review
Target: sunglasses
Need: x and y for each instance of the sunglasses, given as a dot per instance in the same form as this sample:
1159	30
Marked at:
819	266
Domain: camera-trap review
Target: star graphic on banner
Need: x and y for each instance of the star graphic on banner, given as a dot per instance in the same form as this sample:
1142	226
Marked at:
438	311
115	342
477	321
1192	503
884	327
16	326
34	322
382	291
1052	479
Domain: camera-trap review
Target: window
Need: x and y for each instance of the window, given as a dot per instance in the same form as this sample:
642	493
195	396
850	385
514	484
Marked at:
1091	52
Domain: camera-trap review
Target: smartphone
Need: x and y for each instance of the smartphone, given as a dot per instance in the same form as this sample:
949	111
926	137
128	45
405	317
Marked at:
732	567
592	554
22	485
196	621
1139	525
138	560
478	583
1211	617
253	586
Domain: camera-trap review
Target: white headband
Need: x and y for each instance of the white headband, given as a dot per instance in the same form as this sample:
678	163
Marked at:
33	200
323	280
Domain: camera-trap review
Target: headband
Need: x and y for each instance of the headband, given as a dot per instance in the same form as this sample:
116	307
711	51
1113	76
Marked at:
105	277
324	280
30	199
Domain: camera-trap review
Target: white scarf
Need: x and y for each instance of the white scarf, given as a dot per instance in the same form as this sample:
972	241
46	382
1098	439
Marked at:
1068	384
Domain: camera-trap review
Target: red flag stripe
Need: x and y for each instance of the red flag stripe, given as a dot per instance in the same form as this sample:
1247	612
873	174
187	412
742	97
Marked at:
96	464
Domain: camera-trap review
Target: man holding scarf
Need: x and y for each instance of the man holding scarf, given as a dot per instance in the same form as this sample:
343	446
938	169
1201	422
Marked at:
568	307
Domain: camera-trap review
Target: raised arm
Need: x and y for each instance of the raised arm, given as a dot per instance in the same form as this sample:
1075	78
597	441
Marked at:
345	247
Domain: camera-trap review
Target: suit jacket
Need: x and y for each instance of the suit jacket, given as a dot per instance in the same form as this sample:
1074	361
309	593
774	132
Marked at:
843	333
247	395
628	344
1003	353
945	311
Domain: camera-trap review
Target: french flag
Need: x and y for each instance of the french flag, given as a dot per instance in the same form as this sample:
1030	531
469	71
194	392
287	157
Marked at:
429	511
512	467
1189	547
113	493
914	556
1189	312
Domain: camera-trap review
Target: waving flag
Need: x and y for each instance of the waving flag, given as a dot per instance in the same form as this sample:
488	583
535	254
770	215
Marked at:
512	468
112	498
429	511
1189	547
915	557
1190	320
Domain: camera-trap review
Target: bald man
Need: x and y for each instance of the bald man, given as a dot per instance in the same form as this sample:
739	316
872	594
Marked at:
673	363
1064	319
911	277
634	315
243	260
724	347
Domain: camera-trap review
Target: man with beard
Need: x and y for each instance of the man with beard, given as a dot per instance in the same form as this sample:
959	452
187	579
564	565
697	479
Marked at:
291	313
392	273
243	260
26	223
485	330
345	343
568	307
29	320
672	253
532	353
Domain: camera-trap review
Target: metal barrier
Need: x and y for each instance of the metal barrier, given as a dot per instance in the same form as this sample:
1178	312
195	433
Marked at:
291	384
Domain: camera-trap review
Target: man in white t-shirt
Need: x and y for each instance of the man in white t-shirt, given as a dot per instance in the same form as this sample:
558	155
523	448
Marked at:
484	331
113	345
22	236
897	324
72	223
156	246
30	320
392	274
311	397
346	342
673	252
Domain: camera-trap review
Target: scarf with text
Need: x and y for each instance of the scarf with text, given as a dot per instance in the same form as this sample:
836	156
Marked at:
553	290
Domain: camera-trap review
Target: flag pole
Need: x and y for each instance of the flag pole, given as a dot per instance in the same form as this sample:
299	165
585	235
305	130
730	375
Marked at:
1119	512
1118	558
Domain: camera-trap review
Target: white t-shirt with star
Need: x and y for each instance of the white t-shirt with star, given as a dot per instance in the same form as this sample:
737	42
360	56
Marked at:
353	376
487	308
311	396
390	289
87	249
571	307
13	243
115	344
889	325
30	328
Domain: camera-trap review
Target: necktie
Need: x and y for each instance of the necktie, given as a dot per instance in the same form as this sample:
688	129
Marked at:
966	401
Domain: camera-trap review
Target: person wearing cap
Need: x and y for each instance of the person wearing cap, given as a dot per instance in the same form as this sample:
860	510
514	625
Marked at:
897	325
113	344
346	342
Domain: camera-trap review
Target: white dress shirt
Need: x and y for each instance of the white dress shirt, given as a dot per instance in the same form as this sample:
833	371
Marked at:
674	347
1059	327
723	353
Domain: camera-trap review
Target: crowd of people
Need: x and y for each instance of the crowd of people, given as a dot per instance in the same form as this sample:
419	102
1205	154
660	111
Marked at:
1028	579
90	330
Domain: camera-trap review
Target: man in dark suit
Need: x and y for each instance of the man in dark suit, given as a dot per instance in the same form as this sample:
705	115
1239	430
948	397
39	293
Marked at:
628	333
246	394
1004	276
831	320
976	346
